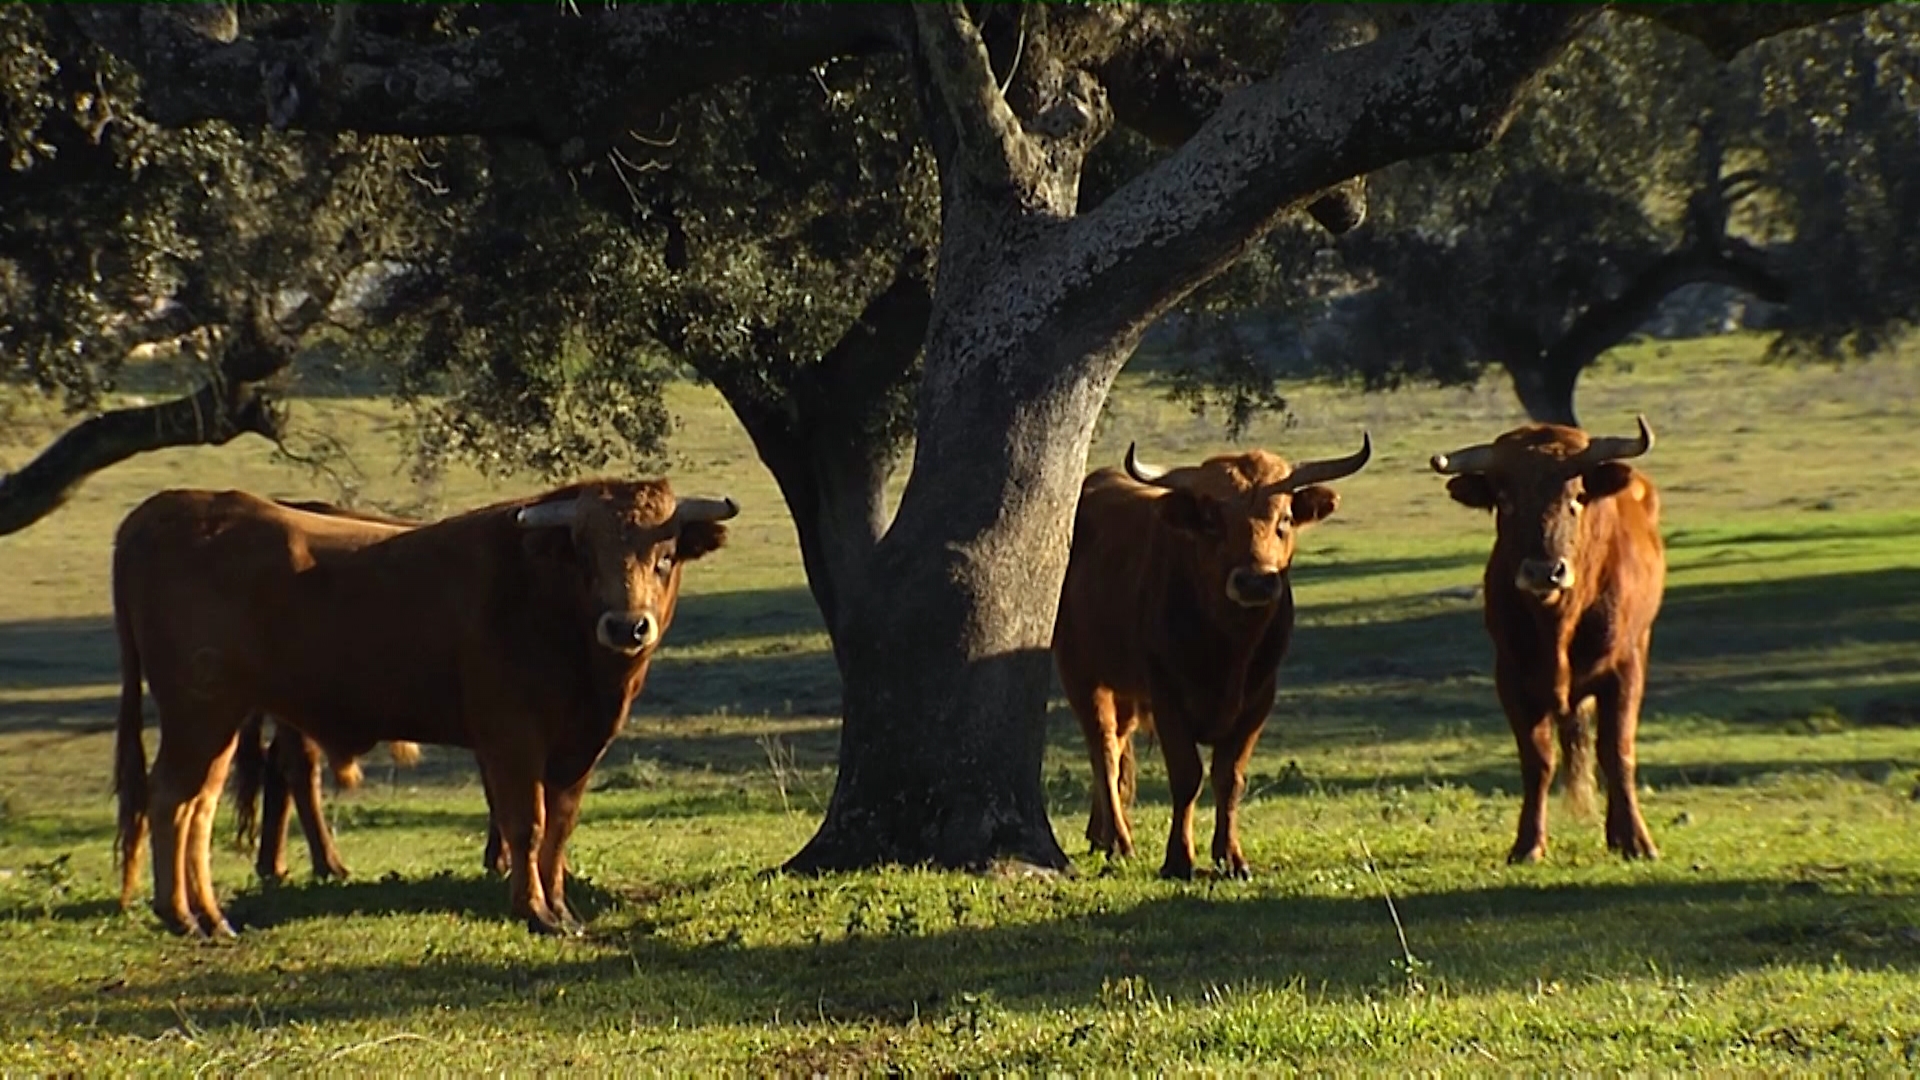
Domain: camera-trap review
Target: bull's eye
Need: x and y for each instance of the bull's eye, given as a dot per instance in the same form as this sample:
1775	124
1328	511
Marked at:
1286	522
1578	504
665	564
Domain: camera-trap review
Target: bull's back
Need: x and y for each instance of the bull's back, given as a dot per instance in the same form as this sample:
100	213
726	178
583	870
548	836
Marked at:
233	598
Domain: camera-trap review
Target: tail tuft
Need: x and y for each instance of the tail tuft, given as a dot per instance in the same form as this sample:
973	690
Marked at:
346	772
404	754
249	775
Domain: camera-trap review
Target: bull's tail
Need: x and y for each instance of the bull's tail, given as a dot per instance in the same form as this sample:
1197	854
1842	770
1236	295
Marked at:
129	754
249	776
346	771
1576	757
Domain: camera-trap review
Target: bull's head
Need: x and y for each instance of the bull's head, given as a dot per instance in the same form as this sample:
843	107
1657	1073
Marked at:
1246	510
1538	480
627	542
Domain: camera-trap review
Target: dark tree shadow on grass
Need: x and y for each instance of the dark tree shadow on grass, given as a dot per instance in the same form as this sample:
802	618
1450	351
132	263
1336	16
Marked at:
1185	944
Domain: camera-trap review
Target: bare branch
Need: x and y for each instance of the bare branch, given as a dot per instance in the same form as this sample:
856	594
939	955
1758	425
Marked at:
992	147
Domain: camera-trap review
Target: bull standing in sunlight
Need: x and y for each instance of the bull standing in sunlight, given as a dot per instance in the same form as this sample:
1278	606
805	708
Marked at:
1176	611
523	630
1572	590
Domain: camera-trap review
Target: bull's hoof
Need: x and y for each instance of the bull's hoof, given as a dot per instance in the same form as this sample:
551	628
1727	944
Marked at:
331	872
1640	847
1176	871
1237	871
270	878
1527	854
551	927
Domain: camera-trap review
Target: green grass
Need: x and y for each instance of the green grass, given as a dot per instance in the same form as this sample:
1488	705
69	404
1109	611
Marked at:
1779	752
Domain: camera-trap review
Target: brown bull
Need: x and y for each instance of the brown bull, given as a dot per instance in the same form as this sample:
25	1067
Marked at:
522	630
1176	611
1572	590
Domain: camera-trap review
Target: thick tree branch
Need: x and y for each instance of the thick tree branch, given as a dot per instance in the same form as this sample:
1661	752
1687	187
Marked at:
621	62
1726	29
1447	84
219	411
1607	324
991	145
1545	379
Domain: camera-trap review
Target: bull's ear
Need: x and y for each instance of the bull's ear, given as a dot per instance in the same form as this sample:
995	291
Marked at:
1315	502
1606	478
699	538
1189	513
1473	490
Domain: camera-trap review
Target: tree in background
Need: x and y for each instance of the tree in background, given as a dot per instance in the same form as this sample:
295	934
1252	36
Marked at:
940	614
1641	168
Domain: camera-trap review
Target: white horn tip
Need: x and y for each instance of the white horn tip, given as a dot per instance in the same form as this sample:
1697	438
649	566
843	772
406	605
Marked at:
1438	463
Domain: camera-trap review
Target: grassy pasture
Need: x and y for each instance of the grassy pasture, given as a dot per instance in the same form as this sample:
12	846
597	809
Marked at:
1779	751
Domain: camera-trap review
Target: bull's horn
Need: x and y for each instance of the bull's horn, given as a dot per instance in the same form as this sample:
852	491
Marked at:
1615	447
1151	475
1329	470
557	514
1467	459
696	508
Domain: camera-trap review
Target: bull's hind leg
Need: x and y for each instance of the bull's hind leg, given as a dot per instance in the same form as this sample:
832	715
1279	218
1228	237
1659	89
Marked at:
1533	734
1101	717
191	742
1618	712
299	763
200	848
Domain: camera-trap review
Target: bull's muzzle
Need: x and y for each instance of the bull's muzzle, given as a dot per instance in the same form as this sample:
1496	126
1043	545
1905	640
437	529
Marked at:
628	632
1254	588
1544	577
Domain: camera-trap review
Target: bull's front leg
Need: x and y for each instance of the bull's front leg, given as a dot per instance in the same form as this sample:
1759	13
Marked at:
1618	701
563	813
1533	732
1183	777
1230	758
519	808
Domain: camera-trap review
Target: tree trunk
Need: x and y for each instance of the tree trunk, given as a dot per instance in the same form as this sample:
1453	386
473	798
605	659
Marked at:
946	647
1546	394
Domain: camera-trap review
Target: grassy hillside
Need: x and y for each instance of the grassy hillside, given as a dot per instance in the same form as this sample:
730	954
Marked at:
1779	754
